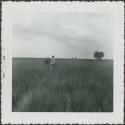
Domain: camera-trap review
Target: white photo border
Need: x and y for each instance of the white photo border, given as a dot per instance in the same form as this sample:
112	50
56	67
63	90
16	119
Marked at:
117	116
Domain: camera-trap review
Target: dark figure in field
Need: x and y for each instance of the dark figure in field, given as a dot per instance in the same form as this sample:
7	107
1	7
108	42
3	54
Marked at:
47	60
50	63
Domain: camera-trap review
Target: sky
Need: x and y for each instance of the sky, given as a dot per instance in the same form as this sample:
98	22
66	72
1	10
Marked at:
65	35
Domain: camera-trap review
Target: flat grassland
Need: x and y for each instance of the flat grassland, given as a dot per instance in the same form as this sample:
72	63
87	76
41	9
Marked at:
71	86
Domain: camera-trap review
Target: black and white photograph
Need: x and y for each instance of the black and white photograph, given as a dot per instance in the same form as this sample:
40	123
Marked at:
62	60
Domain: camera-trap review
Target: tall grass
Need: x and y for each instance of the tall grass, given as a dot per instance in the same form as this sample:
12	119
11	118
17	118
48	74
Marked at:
72	86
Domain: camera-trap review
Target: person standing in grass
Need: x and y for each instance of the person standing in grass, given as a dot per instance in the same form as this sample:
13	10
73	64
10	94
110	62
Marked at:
53	61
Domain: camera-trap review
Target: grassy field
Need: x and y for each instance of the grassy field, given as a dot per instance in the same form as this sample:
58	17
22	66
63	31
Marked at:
72	86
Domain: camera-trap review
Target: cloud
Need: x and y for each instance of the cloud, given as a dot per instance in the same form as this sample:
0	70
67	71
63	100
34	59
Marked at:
69	32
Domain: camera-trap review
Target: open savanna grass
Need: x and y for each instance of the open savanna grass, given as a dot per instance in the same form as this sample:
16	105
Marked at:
71	86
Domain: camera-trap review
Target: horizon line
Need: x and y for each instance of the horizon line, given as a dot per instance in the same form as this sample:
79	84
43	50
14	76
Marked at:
61	58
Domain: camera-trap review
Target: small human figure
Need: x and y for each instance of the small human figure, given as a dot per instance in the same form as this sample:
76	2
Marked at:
47	60
53	61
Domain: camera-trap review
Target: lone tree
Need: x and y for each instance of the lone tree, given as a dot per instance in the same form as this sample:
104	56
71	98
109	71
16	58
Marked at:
98	55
